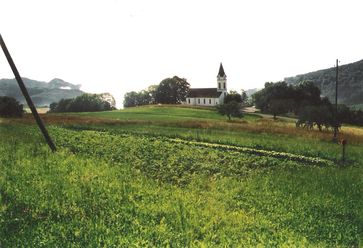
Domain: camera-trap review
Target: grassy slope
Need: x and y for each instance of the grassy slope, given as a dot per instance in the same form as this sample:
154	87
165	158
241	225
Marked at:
161	113
97	196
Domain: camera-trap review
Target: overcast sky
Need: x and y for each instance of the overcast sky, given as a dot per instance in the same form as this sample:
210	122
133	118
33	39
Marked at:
122	45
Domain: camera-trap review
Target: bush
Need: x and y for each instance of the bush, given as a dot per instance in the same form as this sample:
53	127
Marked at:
10	107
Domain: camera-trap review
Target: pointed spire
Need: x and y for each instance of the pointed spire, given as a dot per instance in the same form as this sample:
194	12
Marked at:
221	71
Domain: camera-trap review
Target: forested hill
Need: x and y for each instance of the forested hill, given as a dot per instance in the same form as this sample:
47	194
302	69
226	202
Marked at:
350	89
42	93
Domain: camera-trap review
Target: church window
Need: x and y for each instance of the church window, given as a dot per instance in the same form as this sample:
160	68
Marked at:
224	85
189	100
204	100
210	101
219	85
198	101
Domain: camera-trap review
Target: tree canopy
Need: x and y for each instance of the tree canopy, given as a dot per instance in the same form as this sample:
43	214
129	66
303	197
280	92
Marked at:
169	91
230	109
82	103
233	96
272	98
172	90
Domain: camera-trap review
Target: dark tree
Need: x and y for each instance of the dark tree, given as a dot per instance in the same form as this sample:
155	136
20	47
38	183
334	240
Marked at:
82	103
10	107
318	115
62	106
306	94
279	106
272	91
233	96
172	90
144	97
230	109
271	98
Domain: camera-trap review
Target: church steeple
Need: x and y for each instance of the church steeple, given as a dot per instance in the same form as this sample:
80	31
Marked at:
221	71
221	79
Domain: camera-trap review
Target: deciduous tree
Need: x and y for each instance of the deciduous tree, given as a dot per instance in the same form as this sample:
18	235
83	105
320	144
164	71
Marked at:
172	90
230	109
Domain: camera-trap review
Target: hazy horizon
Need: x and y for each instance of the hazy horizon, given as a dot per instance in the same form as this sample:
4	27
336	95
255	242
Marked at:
119	46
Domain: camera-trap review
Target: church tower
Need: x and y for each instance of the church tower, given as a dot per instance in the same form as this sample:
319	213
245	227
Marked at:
221	80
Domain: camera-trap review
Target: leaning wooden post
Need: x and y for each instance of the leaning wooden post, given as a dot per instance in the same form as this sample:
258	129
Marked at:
27	97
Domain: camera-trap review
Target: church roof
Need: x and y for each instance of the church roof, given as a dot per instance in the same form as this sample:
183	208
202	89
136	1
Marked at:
204	92
221	71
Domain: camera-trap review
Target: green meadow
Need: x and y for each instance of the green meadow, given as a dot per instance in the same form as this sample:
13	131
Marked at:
166	176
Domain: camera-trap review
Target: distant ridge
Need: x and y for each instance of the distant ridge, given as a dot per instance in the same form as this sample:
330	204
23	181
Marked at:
350	89
42	93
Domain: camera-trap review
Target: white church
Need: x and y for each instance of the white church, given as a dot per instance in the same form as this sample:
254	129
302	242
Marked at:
209	96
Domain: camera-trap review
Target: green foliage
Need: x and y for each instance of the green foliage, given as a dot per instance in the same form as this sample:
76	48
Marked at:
82	103
172	90
272	92
230	109
321	116
144	97
279	106
274	96
133	190
350	116
169	91
306	93
233	96
9	107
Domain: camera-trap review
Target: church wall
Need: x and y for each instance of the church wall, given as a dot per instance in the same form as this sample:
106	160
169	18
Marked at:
202	101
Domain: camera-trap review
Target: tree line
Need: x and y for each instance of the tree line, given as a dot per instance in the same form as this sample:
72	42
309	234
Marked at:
304	101
169	91
82	103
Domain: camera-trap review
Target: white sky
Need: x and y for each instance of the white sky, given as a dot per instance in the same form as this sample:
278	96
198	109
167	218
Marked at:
122	45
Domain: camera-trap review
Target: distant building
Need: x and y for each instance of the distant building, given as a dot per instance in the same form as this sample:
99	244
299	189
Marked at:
209	96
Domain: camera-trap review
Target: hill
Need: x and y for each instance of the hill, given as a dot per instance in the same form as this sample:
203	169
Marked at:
350	89
42	93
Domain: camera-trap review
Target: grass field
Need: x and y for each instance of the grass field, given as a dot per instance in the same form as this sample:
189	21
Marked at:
169	176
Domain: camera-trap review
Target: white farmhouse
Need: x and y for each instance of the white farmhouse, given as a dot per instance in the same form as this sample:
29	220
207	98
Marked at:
209	96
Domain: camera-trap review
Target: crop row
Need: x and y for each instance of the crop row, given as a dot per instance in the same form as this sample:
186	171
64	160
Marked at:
175	160
220	146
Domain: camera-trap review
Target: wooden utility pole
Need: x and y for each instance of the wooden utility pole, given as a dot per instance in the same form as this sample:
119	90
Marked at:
336	104
27	96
